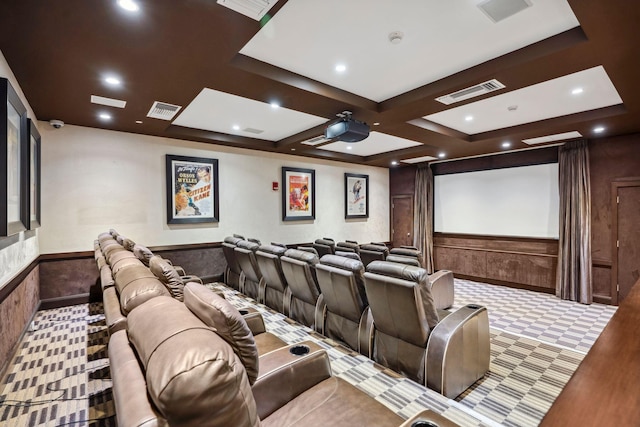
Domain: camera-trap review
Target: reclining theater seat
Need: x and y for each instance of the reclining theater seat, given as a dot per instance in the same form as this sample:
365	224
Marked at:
324	246
341	281
370	252
135	285
445	354
299	268
440	282
177	371
233	271
251	277
408	251
348	246
268	258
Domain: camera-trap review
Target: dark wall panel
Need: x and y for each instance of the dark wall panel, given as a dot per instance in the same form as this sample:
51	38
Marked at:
402	180
16	310
609	159
204	263
68	277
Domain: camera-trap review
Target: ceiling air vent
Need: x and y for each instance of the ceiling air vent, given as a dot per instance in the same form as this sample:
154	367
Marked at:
471	92
497	10
163	111
253	130
255	9
315	140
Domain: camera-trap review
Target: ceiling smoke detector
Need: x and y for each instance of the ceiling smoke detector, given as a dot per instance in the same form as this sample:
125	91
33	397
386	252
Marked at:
395	37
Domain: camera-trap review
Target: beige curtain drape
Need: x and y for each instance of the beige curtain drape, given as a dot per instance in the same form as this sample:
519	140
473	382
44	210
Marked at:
423	215
574	255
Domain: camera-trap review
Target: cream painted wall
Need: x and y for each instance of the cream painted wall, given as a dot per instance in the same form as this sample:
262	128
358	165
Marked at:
15	257
94	179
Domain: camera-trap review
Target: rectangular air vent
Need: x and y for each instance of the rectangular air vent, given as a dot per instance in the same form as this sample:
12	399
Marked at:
552	138
471	92
163	111
317	140
109	102
497	10
255	9
252	130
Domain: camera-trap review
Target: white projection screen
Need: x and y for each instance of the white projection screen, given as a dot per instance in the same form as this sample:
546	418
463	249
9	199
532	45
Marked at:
519	201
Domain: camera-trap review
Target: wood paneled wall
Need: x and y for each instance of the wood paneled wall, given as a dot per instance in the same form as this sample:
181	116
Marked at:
511	261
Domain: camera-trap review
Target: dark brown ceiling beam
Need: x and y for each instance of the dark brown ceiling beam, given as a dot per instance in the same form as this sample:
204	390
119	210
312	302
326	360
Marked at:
556	122
438	128
482	71
281	75
181	132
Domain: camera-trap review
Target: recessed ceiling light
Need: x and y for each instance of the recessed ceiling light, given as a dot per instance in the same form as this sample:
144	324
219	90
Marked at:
293	149
113	81
341	68
139	122
236	127
577	91
506	144
442	155
349	147
129	5
274	105
394	163
468	118
105	116
376	123
598	129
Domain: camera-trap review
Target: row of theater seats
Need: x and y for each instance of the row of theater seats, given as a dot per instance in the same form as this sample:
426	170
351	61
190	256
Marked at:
392	311
189	358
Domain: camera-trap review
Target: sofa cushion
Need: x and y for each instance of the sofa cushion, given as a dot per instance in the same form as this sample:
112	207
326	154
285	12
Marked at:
227	321
168	275
193	376
142	253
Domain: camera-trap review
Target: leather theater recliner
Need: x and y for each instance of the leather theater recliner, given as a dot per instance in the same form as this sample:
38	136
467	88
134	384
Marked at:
171	368
445	352
233	272
252	283
370	252
408	251
325	246
301	297
344	302
441	282
275	284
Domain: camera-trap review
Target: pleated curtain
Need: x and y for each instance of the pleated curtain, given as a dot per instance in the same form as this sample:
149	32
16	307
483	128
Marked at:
423	215
574	254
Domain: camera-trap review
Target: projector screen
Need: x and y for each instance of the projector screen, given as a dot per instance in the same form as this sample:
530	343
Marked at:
519	201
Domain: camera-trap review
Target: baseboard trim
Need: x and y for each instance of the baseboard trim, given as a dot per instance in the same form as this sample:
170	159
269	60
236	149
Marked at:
47	304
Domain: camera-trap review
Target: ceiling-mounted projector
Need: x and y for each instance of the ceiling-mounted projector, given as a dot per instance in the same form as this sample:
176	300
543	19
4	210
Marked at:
347	129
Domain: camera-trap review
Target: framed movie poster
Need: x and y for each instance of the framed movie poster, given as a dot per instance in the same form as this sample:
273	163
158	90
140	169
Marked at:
13	161
356	193
34	176
298	194
192	190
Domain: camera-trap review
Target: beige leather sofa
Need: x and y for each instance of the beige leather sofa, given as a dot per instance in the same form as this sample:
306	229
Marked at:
195	364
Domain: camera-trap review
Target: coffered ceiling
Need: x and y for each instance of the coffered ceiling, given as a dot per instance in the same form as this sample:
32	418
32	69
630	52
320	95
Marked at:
273	84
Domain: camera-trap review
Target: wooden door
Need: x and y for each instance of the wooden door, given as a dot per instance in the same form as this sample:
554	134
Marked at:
626	251
401	220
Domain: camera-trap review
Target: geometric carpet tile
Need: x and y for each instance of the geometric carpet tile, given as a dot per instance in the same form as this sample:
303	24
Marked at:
536	315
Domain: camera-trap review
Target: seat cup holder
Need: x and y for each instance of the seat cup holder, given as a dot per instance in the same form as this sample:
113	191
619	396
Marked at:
299	350
422	423
473	306
244	312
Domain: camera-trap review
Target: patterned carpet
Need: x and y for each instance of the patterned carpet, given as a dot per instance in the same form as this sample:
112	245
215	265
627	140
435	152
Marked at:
60	375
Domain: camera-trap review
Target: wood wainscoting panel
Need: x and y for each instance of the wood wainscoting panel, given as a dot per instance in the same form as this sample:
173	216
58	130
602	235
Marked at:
519	262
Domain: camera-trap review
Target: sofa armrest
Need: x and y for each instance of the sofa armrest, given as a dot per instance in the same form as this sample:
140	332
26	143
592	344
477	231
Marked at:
428	418
190	278
113	316
442	288
285	375
254	320
457	353
129	386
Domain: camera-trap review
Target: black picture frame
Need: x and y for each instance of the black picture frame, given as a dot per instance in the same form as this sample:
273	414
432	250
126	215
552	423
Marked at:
13	161
298	194
34	151
356	196
192	190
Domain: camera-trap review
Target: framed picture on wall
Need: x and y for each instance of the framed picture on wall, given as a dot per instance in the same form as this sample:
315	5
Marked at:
298	194
13	161
192	190
33	148
356	196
